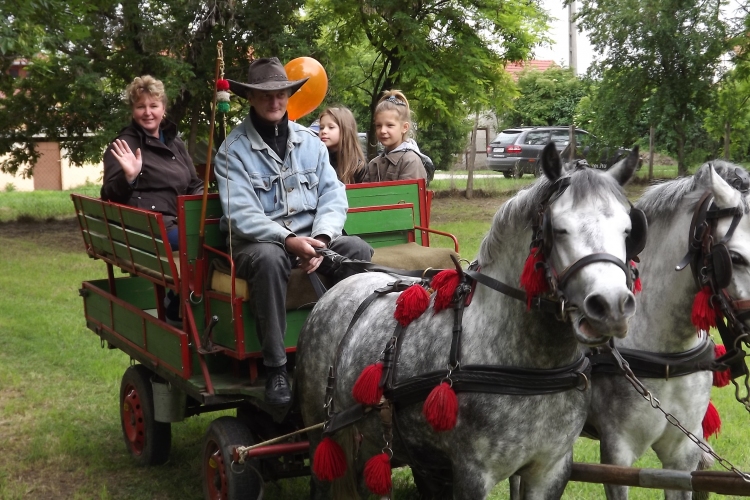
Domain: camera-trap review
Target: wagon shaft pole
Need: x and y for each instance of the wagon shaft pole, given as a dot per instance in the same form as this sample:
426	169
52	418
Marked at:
725	483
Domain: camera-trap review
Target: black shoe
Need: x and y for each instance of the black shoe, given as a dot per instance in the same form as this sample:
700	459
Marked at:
277	388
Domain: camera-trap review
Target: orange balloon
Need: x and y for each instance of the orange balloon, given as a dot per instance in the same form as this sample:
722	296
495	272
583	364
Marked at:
312	93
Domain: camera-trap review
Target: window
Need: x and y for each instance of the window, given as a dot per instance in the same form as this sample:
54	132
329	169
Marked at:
536	138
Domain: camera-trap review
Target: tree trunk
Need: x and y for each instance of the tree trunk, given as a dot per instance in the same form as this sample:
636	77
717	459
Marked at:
194	119
472	158
682	170
651	134
727	141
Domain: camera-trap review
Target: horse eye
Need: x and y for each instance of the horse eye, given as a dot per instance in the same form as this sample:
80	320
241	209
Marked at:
560	231
738	259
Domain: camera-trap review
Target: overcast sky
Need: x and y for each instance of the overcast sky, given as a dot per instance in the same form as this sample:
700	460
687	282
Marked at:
559	33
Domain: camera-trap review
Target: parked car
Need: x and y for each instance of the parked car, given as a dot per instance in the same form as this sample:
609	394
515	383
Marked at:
516	151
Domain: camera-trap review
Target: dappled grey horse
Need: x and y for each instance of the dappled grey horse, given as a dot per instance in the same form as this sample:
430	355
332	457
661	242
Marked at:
666	344
586	227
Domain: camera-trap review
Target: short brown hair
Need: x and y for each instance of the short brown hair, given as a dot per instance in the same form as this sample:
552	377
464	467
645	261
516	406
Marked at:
145	85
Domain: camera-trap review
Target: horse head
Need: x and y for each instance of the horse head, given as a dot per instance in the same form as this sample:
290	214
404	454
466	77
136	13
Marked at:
720	235
590	234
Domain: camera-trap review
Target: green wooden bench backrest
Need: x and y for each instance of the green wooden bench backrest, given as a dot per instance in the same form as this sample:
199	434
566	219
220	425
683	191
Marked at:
378	227
129	238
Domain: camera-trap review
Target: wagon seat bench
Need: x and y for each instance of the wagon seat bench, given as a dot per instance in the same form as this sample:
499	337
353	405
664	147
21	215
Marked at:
128	313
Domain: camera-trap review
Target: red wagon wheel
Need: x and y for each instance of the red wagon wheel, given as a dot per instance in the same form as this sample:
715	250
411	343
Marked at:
223	480
147	440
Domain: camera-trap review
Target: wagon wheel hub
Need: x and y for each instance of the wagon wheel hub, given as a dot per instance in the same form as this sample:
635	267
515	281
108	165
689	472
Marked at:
132	413
216	475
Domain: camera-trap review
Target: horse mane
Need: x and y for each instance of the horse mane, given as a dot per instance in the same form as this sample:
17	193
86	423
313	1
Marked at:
519	212
665	198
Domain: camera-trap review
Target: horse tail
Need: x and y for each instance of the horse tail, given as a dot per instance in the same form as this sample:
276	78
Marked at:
345	488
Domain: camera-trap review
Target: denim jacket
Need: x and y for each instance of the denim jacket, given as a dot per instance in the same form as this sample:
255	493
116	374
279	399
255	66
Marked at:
269	199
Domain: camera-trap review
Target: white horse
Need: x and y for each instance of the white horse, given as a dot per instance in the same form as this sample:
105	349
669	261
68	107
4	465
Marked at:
624	421
495	435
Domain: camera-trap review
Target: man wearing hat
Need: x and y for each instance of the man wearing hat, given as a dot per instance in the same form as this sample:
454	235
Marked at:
282	200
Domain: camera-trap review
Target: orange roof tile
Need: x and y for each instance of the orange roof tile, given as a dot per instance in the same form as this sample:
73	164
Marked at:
537	65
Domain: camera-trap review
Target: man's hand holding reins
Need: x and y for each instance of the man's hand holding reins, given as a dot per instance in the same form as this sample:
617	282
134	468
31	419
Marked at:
304	248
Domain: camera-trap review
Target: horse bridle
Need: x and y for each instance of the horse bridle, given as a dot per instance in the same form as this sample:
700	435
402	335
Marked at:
711	266
543	238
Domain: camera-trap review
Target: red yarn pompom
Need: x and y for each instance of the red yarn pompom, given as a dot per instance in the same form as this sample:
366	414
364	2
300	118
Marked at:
703	315
711	421
222	85
444	283
637	285
367	390
722	378
378	474
329	462
441	408
533	279
411	304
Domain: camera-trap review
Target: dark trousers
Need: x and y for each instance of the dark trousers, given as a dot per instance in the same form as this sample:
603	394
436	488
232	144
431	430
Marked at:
266	267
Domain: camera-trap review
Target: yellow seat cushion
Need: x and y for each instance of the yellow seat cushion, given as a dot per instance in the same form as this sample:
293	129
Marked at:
412	256
300	292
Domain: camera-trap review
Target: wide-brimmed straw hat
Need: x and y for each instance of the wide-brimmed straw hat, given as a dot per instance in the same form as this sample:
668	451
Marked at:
266	74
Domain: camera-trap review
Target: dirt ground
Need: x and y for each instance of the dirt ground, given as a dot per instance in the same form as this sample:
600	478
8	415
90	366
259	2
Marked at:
59	234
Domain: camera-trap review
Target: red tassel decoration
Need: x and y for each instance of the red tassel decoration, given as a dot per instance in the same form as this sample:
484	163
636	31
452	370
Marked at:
367	390
721	379
411	304
444	283
222	85
637	286
329	462
378	474
711	422
532	277
441	408
703	315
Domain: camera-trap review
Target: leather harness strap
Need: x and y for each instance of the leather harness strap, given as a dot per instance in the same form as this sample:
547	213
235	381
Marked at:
657	365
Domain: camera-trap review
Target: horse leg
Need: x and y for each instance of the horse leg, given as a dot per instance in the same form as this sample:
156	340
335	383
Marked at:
471	481
430	488
549	482
514	482
678	455
615	452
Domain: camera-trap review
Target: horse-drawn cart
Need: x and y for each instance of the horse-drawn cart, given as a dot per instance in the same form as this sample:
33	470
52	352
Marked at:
212	361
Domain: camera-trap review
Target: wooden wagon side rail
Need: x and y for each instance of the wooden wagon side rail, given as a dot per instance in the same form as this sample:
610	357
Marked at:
725	483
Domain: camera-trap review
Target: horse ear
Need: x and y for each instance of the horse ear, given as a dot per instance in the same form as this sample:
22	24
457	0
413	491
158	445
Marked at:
725	195
623	170
551	163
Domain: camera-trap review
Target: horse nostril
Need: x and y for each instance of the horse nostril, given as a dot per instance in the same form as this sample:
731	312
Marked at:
595	306
628	305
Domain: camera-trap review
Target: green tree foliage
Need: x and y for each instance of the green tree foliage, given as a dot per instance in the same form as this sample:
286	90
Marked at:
728	120
447	57
662	55
547	97
82	54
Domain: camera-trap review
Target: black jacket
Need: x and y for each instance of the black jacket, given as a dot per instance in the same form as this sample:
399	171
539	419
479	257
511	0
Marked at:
167	172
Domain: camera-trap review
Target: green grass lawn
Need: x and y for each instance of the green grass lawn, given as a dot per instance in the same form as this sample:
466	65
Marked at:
59	422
